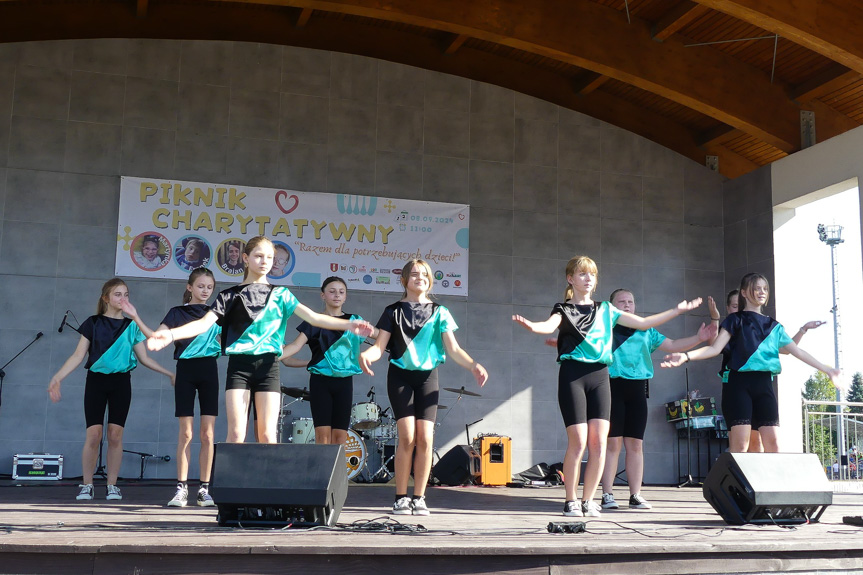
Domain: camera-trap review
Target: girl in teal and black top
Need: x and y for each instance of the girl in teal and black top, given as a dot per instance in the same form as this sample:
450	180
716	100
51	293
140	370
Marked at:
584	345
113	346
335	360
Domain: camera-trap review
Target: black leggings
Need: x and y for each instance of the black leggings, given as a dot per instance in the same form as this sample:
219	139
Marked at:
749	398
331	400
628	408
196	376
111	390
413	393
583	392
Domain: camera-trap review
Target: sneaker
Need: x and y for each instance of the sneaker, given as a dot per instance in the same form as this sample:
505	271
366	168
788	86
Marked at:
86	492
402	506
608	501
204	498
638	502
590	509
418	506
572	509
181	497
114	493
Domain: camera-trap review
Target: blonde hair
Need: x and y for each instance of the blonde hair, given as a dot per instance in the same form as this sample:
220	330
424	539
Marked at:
250	247
578	264
406	274
107	287
748	282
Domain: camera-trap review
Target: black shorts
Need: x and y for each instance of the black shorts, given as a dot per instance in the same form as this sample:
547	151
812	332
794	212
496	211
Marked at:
331	399
628	408
111	390
253	372
583	392
413	393
749	398
201	376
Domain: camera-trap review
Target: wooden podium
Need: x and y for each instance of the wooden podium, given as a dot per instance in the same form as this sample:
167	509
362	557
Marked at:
495	453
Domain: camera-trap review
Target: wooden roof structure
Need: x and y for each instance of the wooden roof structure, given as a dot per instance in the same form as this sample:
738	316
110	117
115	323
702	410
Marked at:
724	78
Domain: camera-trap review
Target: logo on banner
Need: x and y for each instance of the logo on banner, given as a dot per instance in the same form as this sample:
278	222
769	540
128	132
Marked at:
445	283
367	279
352	269
382	280
457	283
334	267
438	275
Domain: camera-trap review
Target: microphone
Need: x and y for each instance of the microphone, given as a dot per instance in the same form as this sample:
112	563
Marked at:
166	458
63	323
40	334
371	392
475	422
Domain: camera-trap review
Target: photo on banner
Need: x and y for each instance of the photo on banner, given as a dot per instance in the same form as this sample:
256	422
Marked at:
167	228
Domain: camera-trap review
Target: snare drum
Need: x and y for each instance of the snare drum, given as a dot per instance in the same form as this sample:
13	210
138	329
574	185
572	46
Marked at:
355	454
303	430
365	415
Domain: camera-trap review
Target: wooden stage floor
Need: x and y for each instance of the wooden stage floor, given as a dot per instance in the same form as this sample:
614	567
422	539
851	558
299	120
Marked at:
471	530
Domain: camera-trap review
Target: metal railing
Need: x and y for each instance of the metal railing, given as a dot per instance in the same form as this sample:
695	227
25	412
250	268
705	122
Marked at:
841	457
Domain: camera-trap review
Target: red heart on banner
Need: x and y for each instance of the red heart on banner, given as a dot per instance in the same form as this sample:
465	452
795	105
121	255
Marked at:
461	216
281	194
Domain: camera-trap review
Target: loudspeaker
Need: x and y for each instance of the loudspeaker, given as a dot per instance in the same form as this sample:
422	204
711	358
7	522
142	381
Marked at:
768	488
278	485
457	466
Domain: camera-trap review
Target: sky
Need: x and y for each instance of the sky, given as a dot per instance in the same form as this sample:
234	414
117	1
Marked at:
804	284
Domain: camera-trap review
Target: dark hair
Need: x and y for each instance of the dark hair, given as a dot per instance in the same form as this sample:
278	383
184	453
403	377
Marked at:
332	279
731	294
196	273
150	239
617	291
109	285
747	282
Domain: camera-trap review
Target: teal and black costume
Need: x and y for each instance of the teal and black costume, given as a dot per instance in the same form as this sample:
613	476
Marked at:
629	373
748	397
416	348
110	360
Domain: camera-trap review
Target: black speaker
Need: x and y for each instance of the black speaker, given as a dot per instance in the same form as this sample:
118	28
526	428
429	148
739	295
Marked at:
768	488
278	485
458	466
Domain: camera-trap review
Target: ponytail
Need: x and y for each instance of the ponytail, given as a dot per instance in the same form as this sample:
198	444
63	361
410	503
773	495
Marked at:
107	287
196	273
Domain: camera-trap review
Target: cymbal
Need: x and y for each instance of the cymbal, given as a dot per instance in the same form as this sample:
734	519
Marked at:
462	391
296	392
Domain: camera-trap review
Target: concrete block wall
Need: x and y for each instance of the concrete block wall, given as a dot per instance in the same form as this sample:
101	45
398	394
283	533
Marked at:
544	184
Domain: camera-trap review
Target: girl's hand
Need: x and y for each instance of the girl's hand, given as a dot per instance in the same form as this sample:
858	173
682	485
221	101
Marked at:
526	324
159	340
173	378
128	308
835	376
712	309
707	331
54	390
551	341
685	306
362	328
365	364
811	325
479	373
673	360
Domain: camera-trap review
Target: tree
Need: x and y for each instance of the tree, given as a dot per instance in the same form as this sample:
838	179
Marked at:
855	394
820	438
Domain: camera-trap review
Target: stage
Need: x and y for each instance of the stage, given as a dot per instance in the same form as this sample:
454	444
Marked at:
471	530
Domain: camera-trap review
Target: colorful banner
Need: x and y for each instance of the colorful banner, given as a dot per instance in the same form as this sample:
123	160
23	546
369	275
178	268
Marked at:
168	228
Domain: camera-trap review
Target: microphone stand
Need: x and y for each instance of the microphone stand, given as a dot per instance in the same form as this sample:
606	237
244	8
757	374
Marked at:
690	482
2	369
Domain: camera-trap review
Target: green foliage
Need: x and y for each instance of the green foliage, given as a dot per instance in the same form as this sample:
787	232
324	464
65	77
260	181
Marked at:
855	393
820	438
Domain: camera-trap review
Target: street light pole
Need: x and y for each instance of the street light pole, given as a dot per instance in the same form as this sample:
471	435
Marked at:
832	236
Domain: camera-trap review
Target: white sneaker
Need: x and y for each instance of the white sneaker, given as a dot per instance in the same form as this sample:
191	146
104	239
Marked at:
572	509
590	509
181	497
114	493
86	492
419	507
204	498
608	501
402	506
638	502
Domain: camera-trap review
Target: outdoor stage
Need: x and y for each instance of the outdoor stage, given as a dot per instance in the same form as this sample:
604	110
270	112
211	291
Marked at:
471	530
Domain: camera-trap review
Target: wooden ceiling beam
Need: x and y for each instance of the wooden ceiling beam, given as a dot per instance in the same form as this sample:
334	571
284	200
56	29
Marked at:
831	79
828	27
678	17
303	17
717	135
588	82
454	43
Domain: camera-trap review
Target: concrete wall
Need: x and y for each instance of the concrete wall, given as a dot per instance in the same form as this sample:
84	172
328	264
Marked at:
543	183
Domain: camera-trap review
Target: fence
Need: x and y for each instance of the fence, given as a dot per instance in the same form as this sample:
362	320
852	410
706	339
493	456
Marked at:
822	428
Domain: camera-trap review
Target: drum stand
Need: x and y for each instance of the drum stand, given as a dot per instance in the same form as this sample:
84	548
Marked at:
283	413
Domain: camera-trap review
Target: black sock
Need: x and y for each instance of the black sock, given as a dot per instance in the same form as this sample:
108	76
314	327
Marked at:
400	496
205	485
414	497
183	484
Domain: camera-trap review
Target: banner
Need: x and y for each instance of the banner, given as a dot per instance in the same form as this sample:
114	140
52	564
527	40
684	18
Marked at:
168	228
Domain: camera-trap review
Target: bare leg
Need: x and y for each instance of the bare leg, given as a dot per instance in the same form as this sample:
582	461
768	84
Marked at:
323	434
404	452
423	455
184	441
738	438
90	453
612	459
597	436
205	459
770	438
338	436
755	445
267	403
115	452
576	436
634	463
237	408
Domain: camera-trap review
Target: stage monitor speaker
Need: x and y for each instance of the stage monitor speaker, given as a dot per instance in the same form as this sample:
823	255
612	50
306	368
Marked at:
278	485
768	488
458	466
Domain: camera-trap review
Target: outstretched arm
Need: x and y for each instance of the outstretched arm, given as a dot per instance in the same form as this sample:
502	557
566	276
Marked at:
147	361
462	358
706	352
637	322
806	358
375	352
163	337
130	311
805	328
546	327
707	332
68	367
714	315
359	327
